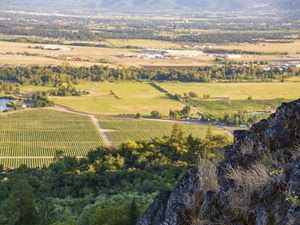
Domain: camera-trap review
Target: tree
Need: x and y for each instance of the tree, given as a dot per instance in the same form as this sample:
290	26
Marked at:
174	114
177	134
196	149
46	210
209	134
177	141
138	116
155	115
111	215
59	155
20	204
193	94
186	111
133	213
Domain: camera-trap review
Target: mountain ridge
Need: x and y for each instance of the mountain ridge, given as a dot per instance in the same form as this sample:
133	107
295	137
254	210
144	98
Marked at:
149	5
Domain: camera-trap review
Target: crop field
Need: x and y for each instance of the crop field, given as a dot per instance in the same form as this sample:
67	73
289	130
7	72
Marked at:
120	98
143	43
218	108
237	91
264	47
33	137
121	130
13	53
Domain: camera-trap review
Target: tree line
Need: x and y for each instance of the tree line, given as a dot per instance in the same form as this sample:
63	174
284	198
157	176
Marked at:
57	75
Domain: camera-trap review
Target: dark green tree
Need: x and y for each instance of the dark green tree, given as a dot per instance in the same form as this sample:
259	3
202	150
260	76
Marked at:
21	209
133	213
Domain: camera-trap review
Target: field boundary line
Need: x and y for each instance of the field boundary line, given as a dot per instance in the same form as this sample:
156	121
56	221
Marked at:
63	108
103	132
169	95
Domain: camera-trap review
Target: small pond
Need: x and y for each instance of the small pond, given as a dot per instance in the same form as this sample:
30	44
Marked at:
3	102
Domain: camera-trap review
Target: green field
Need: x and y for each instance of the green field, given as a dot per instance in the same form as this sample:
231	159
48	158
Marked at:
127	98
237	91
30	88
33	137
121	130
143	43
218	108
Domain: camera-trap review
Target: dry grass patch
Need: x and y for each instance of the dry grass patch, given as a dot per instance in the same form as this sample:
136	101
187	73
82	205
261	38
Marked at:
208	177
247	182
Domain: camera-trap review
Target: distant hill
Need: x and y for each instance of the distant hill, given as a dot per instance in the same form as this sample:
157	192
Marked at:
150	5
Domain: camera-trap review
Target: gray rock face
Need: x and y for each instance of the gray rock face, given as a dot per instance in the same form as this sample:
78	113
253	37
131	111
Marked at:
175	207
276	202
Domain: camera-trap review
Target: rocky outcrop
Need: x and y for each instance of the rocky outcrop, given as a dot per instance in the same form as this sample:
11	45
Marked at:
176	206
259	180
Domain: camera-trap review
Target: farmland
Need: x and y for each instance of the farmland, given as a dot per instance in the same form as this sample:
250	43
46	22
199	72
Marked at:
291	47
120	98
144	43
118	52
219	108
105	105
121	130
33	137
237	91
113	98
12	53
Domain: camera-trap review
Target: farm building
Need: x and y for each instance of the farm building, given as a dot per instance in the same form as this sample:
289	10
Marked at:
231	56
56	48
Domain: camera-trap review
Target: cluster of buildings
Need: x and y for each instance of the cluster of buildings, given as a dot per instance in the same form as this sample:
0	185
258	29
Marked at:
282	65
200	47
56	48
161	54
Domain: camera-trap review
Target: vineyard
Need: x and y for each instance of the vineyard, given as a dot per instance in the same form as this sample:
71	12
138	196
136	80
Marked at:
121	130
33	137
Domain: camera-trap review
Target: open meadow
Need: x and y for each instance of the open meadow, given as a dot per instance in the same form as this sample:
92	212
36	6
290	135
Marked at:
120	98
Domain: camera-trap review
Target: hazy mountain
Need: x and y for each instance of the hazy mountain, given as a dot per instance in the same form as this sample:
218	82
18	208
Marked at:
149	5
